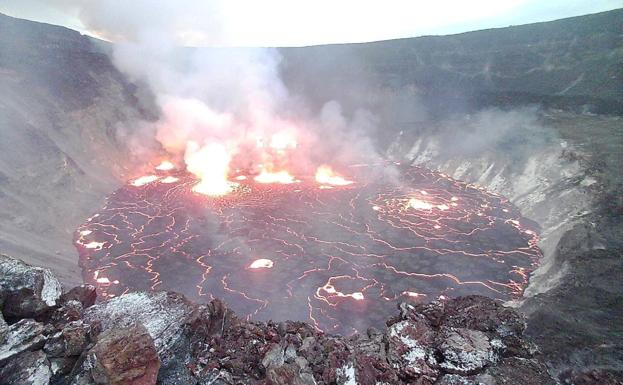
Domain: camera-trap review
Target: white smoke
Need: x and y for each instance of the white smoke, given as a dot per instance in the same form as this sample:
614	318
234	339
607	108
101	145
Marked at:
232	99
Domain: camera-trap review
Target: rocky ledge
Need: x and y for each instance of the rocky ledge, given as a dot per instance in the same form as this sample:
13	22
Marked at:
52	337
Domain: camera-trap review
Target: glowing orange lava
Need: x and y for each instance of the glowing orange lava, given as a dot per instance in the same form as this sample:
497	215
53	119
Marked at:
413	294
261	263
210	164
103	280
144	180
94	245
169	179
165	166
282	177
340	258
325	175
418	204
332	291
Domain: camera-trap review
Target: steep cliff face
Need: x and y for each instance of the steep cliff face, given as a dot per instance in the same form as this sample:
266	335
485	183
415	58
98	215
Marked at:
572	63
61	105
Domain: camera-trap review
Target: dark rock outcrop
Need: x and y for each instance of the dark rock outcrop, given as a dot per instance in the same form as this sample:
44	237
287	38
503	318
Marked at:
85	294
166	316
4	328
27	291
24	335
160	337
124	357
26	368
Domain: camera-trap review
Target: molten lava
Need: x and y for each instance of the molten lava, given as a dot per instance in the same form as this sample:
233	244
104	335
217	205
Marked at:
261	263
142	181
165	165
169	179
326	176
339	258
282	177
211	164
419	204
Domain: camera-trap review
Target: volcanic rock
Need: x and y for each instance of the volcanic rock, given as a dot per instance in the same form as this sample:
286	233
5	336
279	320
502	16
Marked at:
284	366
160	337
464	351
274	358
27	334
71	341
165	315
25	369
410	344
516	370
4	329
455	379
27	291
125	357
60	366
590	377
85	294
288	374
70	311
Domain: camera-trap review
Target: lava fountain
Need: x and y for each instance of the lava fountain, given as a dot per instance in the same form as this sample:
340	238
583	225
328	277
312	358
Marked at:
339	258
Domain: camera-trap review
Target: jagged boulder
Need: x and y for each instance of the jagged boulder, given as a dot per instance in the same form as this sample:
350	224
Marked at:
492	318
125	356
60	367
516	370
464	351
70	311
26	368
165	315
284	366
27	291
70	341
4	329
85	294
25	335
482	313
410	348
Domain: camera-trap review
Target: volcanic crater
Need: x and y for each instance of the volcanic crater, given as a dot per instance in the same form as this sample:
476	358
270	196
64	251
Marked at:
338	256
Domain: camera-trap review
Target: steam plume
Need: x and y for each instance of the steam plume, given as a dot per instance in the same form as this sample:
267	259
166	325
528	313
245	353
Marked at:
219	107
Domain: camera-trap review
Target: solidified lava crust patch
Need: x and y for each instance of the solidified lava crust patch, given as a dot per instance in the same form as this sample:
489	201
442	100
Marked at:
339	258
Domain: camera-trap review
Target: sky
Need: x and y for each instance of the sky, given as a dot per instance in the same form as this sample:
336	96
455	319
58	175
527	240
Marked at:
293	22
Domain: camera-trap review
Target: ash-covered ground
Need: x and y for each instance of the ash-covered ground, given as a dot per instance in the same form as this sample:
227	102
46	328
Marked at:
339	257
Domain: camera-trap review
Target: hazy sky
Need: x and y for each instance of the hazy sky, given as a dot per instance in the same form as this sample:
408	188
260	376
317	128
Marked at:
291	22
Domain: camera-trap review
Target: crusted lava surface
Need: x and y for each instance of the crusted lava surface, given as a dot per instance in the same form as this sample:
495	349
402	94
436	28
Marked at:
338	257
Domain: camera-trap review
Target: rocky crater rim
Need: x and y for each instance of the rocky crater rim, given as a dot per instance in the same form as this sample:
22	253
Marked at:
162	338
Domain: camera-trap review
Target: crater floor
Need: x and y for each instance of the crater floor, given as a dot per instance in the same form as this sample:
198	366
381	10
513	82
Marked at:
339	257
